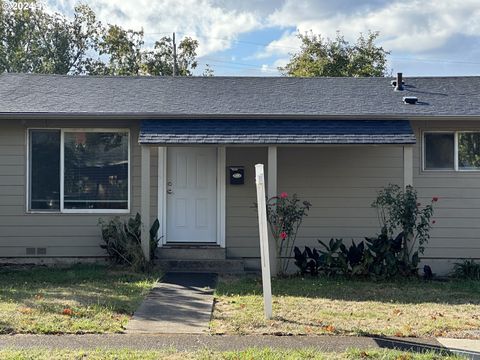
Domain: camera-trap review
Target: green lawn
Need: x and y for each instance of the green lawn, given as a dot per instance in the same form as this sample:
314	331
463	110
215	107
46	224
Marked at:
264	354
349	307
77	299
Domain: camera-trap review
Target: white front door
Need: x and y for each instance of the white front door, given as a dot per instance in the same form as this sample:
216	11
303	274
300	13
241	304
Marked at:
191	194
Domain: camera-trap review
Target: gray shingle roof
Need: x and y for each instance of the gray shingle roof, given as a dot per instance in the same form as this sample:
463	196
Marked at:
236	96
276	132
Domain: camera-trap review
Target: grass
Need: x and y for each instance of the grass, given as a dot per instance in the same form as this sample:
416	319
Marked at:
78	299
266	354
349	307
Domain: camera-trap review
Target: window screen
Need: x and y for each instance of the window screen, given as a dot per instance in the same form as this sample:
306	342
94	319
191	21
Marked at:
44	170
95	170
439	151
469	151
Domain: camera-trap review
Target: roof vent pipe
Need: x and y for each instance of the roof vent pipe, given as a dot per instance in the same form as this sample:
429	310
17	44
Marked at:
399	85
410	100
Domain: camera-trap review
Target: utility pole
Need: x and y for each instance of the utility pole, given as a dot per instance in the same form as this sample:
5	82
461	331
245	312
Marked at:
174	56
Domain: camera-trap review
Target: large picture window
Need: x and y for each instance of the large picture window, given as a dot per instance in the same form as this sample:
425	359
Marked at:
455	150
92	166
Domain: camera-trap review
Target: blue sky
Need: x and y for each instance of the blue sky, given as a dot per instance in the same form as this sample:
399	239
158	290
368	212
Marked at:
254	37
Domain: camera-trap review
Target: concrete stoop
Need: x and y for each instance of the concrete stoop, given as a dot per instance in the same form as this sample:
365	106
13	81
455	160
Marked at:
197	258
226	266
191	252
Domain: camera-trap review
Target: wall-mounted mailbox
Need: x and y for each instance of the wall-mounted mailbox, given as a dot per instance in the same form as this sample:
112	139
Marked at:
237	175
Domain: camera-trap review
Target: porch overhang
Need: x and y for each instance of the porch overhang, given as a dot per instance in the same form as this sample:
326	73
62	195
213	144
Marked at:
275	132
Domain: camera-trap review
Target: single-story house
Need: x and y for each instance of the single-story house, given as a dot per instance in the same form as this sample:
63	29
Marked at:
74	149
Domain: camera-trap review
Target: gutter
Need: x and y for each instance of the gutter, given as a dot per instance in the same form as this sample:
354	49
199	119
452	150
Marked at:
159	116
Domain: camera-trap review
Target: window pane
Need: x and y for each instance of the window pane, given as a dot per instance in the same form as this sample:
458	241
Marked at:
439	151
469	151
44	170
96	170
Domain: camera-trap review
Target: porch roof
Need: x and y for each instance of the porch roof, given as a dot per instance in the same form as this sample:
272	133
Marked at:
278	131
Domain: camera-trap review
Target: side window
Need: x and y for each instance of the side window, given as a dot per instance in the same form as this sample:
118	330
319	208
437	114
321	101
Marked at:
439	151
96	170
44	170
469	151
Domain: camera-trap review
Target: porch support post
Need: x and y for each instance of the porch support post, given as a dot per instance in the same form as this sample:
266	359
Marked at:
145	200
272	191
407	166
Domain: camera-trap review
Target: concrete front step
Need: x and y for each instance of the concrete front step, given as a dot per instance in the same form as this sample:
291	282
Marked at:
225	266
191	252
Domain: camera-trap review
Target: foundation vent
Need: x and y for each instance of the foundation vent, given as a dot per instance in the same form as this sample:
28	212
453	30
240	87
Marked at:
30	251
41	251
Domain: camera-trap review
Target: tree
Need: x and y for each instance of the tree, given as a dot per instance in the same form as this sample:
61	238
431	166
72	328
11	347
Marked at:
325	57
32	40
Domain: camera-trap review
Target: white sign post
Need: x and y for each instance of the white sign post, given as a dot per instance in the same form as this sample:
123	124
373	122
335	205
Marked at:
263	229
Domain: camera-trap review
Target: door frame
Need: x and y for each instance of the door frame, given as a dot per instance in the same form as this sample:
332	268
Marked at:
221	195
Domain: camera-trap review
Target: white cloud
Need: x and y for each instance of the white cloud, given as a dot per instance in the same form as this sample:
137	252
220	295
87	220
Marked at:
287	43
407	25
214	26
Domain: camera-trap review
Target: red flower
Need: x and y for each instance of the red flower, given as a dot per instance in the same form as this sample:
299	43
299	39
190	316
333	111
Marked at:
283	235
433	221
418	204
283	195
435	199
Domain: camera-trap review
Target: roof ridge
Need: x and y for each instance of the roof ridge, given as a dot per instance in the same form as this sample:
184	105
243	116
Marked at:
155	77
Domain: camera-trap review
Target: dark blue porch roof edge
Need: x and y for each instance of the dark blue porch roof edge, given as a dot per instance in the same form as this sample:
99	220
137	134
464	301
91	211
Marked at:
278	131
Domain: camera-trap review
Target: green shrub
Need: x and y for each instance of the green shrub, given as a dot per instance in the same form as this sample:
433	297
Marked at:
468	269
401	214
122	242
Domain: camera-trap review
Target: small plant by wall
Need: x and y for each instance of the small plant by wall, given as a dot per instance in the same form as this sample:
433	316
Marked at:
285	216
122	242
468	269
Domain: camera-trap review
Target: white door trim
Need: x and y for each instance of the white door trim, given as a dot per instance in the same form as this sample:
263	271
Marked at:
221	195
162	190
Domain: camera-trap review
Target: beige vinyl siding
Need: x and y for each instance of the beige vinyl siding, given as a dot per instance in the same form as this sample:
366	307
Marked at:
456	232
241	222
64	235
340	183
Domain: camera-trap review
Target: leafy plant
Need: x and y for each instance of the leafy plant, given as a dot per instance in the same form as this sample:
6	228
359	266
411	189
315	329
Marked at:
377	257
122	241
356	258
400	212
332	259
285	215
301	260
468	269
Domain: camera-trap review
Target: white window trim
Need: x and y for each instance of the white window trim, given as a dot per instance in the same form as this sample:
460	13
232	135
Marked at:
455	150
62	175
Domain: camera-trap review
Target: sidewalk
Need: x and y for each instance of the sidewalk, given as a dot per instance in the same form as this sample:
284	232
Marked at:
181	304
186	342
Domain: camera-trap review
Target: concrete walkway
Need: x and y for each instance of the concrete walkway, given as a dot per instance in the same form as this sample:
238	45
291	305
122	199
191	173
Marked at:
181	304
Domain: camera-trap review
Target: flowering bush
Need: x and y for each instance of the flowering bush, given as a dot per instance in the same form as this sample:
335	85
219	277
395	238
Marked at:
400	212
285	215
